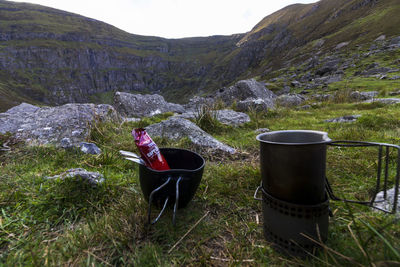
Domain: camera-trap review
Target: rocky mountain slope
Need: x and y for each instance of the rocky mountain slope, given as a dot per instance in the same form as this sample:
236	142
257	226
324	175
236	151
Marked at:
54	57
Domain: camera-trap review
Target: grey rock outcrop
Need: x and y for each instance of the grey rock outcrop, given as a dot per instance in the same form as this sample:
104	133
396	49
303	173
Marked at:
51	124
230	117
246	89
177	128
93	178
290	100
135	105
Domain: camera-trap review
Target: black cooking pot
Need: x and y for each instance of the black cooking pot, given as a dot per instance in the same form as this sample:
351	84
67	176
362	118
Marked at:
176	186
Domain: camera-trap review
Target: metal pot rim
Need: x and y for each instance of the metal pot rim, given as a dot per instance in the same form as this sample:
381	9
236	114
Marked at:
177	170
324	137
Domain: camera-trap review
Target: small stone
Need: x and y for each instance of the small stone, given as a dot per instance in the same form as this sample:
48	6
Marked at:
387	204
348	118
262	130
93	178
89	148
65	143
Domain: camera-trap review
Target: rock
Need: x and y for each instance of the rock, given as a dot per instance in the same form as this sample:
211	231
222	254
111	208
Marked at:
328	67
262	130
252	104
341	45
360	96
197	102
323	97
372	66
394	93
387	101
333	79
89	148
290	100
395	41
225	116
134	105
305	107
348	118
187	115
245	89
375	71
66	143
22	108
93	178
387	204
319	43
49	125
230	117
285	90
295	84
394	77
381	38
176	128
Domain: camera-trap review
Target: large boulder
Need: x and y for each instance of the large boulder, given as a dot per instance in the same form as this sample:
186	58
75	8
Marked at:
246	89
135	105
52	124
176	128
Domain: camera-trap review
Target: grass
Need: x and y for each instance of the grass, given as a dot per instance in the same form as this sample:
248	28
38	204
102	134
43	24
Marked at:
64	222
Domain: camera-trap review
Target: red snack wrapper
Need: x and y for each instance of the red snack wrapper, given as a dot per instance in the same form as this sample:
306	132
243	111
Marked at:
149	150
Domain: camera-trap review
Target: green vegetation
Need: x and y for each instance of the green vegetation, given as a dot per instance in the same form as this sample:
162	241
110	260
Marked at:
67	222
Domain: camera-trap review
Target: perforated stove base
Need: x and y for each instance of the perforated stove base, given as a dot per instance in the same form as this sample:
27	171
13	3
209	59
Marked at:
288	225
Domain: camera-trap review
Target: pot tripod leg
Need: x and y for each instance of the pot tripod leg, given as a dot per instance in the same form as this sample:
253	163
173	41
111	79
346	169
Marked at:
151	200
161	212
176	200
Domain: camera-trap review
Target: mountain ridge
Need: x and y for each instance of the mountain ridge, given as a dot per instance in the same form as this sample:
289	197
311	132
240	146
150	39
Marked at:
53	57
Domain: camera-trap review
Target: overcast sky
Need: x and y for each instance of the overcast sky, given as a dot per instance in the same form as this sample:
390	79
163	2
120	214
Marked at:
174	18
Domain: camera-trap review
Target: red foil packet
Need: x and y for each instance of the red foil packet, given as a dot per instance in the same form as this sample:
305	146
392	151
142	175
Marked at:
149	150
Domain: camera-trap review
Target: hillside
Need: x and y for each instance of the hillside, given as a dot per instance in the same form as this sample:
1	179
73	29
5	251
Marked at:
54	57
57	57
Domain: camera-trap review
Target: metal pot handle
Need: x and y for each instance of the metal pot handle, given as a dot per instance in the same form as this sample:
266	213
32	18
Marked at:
256	192
379	171
151	200
166	201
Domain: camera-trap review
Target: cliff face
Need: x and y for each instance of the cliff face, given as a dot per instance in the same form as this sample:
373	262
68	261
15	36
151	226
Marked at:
54	57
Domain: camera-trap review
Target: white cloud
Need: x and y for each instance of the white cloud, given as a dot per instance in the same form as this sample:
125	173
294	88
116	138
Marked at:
174	18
